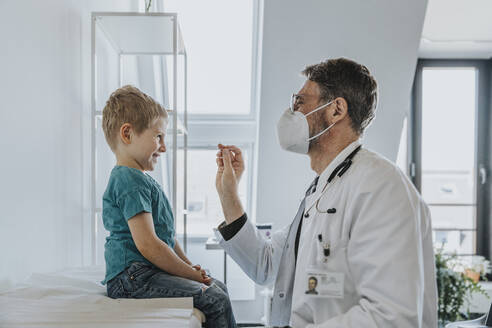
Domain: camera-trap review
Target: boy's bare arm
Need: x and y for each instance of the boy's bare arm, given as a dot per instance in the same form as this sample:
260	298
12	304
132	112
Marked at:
157	251
179	251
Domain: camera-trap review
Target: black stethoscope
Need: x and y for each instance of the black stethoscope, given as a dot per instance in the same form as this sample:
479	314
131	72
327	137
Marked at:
339	170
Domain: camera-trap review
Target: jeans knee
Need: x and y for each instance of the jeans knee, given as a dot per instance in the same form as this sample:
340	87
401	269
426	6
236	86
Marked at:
221	285
219	295
216	305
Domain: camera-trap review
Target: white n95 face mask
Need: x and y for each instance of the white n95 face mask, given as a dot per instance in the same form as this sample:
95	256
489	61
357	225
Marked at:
293	130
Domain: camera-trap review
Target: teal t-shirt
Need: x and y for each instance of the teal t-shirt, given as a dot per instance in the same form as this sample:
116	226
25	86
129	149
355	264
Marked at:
130	192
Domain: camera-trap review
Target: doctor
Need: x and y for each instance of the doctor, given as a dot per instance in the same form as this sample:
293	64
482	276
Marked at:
359	251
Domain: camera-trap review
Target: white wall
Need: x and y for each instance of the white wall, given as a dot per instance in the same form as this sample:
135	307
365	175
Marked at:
44	172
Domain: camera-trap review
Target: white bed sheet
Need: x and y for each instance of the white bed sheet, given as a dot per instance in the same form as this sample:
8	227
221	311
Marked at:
75	298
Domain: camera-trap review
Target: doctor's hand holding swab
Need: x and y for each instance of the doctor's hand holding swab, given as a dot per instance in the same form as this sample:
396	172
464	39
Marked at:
230	167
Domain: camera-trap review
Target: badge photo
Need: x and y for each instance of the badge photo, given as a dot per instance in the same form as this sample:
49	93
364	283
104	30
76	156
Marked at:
320	283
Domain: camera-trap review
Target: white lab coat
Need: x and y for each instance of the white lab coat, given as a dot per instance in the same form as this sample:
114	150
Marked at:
380	241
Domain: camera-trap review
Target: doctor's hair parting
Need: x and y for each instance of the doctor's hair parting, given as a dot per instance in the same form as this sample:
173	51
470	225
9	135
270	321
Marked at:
345	78
129	105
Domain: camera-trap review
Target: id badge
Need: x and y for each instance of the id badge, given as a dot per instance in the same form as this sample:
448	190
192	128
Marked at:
320	283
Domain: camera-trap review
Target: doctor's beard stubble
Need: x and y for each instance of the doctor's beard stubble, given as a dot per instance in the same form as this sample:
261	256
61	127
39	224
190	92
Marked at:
318	124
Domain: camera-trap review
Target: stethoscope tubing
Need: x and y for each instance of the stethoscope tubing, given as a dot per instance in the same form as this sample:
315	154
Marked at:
339	170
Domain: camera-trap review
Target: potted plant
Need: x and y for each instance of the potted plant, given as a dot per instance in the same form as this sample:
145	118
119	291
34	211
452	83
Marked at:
478	268
454	288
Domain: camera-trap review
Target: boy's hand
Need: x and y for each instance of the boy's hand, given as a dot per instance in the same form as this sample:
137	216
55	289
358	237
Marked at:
201	277
197	267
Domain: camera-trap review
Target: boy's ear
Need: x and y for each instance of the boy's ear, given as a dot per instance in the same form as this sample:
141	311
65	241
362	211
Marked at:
126	132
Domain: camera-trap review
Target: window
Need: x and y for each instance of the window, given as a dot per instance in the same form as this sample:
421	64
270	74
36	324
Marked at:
448	183
222	49
448	153
204	209
219	41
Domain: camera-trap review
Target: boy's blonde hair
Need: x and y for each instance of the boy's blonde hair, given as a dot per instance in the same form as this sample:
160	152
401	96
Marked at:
129	105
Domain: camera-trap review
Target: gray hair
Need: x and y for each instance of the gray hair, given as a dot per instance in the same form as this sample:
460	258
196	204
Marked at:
345	78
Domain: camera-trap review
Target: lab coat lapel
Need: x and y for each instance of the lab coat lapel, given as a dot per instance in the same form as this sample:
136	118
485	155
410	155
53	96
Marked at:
284	284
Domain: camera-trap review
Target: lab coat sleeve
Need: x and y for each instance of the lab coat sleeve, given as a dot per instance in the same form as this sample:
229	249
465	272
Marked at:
258	257
385	255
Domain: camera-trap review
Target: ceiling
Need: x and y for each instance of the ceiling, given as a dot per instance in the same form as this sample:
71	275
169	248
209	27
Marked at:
457	29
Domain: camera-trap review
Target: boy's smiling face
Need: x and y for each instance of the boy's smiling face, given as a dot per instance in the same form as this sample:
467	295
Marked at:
144	149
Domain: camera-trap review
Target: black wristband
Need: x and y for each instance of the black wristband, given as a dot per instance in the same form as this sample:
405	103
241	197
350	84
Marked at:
230	230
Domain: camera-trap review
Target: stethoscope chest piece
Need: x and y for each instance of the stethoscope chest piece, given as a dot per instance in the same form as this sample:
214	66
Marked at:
328	211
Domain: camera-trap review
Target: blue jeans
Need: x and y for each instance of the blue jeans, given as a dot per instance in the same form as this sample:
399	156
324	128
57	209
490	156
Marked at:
141	280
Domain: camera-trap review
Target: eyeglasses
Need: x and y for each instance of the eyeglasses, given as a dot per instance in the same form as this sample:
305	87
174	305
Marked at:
294	100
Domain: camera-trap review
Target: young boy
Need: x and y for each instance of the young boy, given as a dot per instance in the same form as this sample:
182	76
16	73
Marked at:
143	257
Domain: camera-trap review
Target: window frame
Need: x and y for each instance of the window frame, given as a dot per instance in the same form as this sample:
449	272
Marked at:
482	139
256	55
